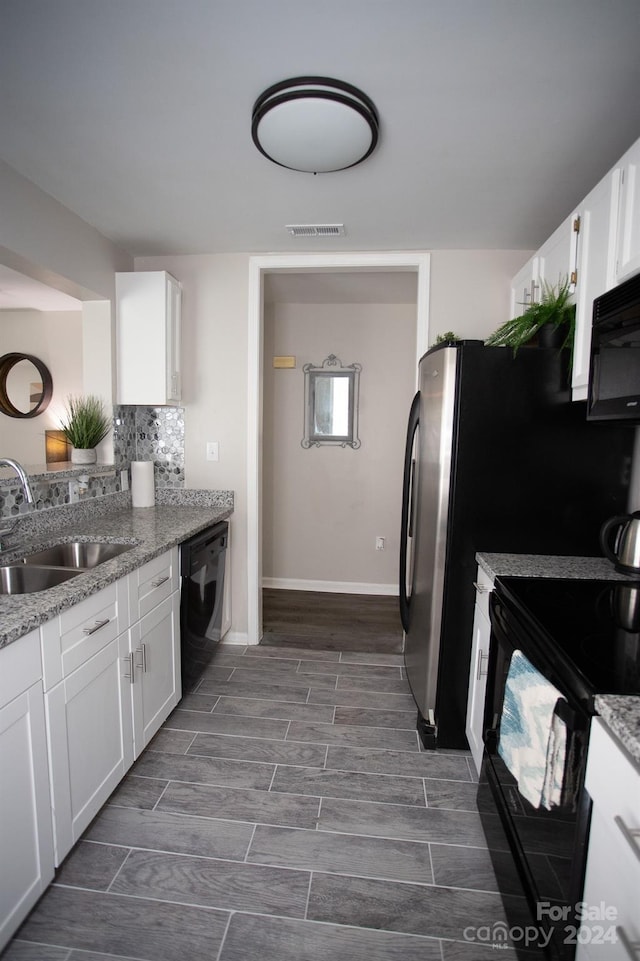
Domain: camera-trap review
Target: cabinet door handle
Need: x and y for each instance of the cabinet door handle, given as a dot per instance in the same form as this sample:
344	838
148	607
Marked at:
160	580
482	657
631	947
131	666
96	627
481	588
142	653
631	835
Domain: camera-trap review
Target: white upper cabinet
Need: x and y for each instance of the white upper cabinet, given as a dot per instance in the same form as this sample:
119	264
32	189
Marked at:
525	288
554	263
596	269
628	253
597	247
148	310
557	256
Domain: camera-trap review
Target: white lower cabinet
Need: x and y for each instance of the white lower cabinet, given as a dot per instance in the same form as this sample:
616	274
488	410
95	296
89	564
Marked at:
479	665
156	667
112	676
154	599
611	927
91	743
89	719
26	839
79	700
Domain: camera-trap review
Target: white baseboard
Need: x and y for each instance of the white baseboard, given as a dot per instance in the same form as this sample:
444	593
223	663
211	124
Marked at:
329	587
236	637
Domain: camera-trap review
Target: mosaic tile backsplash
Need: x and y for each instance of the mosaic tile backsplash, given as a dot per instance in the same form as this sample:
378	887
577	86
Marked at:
151	433
139	433
54	493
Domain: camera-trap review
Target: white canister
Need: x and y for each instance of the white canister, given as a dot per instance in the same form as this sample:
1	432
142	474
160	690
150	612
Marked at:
142	483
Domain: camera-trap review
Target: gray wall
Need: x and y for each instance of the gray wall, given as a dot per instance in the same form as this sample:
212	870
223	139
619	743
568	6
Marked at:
324	507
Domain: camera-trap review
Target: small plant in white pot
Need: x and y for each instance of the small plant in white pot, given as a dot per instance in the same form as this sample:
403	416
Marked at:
85	424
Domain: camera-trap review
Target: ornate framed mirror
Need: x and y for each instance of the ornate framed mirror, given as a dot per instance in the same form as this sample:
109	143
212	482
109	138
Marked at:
25	385
331	396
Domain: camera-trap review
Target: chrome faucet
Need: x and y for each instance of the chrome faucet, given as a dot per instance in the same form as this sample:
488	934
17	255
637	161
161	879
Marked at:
22	474
26	487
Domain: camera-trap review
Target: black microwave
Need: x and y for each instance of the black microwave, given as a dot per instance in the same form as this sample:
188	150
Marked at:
614	369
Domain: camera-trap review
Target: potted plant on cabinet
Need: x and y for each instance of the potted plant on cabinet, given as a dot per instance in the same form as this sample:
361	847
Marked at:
448	337
84	426
552	319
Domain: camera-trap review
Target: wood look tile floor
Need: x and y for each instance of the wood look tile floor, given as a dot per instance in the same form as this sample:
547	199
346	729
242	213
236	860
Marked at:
284	812
337	622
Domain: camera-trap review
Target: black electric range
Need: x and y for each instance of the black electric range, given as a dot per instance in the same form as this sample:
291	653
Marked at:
592	626
583	638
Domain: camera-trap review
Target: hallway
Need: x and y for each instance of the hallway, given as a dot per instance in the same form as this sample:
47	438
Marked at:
313	620
284	812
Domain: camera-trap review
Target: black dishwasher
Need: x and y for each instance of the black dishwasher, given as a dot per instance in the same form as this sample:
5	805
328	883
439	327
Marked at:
202	567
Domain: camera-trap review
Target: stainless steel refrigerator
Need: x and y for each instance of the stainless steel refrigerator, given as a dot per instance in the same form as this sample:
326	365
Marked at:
498	459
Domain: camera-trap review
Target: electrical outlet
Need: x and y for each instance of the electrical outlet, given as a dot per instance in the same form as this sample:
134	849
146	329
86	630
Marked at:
213	450
379	543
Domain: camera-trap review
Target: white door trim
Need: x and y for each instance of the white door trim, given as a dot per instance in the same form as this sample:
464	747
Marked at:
301	263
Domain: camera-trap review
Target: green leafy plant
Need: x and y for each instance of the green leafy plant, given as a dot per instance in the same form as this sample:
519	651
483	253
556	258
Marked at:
445	338
86	422
553	308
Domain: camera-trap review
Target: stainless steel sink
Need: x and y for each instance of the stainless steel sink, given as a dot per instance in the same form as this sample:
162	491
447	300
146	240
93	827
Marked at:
76	555
22	579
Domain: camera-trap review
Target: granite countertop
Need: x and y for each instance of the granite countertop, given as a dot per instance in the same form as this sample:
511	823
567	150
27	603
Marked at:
53	472
621	712
151	531
548	565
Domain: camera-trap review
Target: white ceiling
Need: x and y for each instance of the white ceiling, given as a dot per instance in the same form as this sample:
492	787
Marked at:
497	116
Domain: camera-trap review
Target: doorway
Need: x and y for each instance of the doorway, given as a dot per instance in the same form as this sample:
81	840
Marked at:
313	621
417	263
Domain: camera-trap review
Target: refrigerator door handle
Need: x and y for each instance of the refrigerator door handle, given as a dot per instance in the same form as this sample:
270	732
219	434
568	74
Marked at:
408	508
412	501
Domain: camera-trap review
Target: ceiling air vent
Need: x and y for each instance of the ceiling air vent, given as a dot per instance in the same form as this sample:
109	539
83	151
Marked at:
316	230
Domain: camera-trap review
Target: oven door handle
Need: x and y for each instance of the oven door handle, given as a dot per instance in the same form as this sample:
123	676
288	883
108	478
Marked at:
566	714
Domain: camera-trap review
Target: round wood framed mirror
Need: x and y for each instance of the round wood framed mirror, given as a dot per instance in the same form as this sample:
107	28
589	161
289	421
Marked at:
25	385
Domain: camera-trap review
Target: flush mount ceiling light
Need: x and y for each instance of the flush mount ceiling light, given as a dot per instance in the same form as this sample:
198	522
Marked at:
314	124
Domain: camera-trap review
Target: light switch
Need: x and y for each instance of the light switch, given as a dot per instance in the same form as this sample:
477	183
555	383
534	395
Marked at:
213	449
